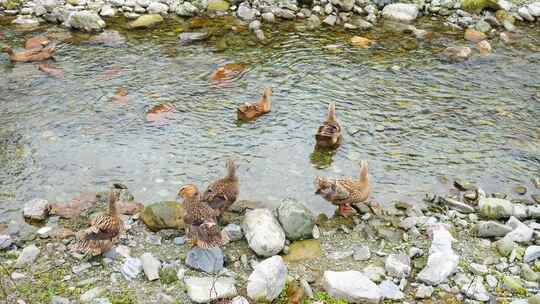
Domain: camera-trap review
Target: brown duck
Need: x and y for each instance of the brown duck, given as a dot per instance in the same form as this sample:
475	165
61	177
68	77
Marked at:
38	54
249	111
98	238
345	192
36	42
200	219
222	193
329	133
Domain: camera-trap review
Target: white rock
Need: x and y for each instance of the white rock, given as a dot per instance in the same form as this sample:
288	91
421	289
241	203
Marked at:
533	212
5	241
233	232
476	290
531	253
92	294
520	211
374	273
391	291
27	256
239	300
492	229
478	269
442	260
521	233
492	281
361	253
245	12
352	286
263	233
85	21
36	209
150	266
107	11
17	276
157	8
131	268
398	265
267	279
207	289
423	292
534	9
525	14
403	12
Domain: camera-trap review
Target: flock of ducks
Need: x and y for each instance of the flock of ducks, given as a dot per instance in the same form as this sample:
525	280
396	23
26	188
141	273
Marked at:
204	209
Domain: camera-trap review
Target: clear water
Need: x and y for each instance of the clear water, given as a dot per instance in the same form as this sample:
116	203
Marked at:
417	119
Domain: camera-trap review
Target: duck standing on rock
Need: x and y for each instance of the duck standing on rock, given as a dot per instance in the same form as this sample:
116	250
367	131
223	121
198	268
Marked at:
37	54
249	111
98	238
329	133
345	192
222	193
200	220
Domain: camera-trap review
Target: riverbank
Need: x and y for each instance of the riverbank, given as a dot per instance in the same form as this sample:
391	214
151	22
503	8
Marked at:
463	248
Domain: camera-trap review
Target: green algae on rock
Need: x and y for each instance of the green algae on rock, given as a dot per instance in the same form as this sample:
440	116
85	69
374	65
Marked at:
164	215
145	21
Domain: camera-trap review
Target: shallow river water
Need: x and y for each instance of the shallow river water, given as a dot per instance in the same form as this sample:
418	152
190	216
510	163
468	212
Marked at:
416	118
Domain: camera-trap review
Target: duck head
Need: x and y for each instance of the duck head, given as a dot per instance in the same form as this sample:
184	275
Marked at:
188	191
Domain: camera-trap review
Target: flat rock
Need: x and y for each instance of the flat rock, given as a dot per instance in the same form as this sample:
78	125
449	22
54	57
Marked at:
353	286
531	253
145	21
297	221
391	291
131	268
267	280
263	232
150	266
36	209
207	289
27	256
442	261
459	206
207	260
492	229
218	5
402	12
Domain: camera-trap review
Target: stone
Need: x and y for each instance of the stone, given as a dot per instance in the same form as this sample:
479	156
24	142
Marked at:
150	266
534	9
520	211
535	197
313	22
478	269
457	53
26	21
361	253
492	281
268	17
495	208
108	38
260	35
482	26
398	265
521	233
476	290
145	21
254	25
528	274
505	246
131	268
360	23
107	11
233	232
218	5
533	212
508	25
207	289
92	294
207	260
186	9
164	215
157	8
391	291
473	35
442	261
267	280
330	20
423	292
5	241
492	229
191	37
263	232
303	250
525	14
459	206
361	42
59	300
340	255
297	221
374	273
285	14
239	300
352	286
27	256
79	268
531	253
85	21
36	209
402	12
513	284
245	12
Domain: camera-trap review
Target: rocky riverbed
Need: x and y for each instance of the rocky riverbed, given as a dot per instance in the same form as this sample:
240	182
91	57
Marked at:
465	247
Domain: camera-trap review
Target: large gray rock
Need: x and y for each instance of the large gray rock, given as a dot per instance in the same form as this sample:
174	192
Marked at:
36	209
398	265
145	21
531	253
131	268
263	232
402	12
353	286
492	229
495	208
5	241
28	256
520	233
297	221
85	21
207	260
267	280
150	266
442	260
207	289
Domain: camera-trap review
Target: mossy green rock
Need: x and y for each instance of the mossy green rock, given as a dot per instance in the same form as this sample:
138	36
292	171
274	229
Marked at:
514	285
218	5
164	215
303	250
145	21
495	208
479	5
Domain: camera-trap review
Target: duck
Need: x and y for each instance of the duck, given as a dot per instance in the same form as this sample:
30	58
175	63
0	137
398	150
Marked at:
345	192
103	230
249	111
329	133
121	96
222	193
36	42
200	219
30	55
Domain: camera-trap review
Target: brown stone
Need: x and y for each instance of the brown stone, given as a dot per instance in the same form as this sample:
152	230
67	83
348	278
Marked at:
484	47
474	35
361	42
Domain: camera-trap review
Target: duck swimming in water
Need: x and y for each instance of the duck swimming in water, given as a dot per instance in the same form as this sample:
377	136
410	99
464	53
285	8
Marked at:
250	111
329	133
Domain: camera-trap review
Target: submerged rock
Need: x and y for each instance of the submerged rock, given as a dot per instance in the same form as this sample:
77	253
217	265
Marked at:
474	35
297	221
27	256
402	12
36	209
207	260
145	21
85	21
361	42
495	208
207	289
190	37
352	286
442	261
267	280
164	215
457	53
263	232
